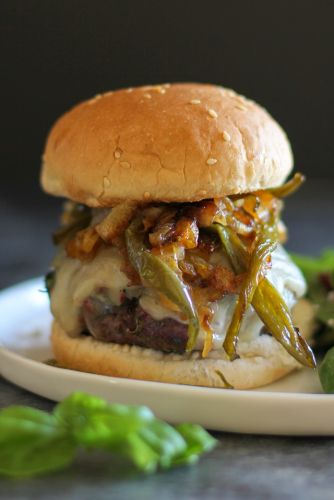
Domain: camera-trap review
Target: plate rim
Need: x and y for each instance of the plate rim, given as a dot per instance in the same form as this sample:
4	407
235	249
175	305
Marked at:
152	386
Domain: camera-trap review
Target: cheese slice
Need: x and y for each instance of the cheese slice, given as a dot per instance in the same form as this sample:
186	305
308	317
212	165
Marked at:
76	280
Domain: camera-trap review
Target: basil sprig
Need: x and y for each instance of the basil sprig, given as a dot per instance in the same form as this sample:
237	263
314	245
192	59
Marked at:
319	274
34	442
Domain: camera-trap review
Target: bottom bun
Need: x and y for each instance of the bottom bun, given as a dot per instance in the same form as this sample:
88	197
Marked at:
261	361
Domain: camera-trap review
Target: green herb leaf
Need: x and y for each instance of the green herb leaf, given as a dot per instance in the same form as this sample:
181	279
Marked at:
319	274
96	424
139	452
325	312
164	440
198	441
312	266
32	442
326	372
131	431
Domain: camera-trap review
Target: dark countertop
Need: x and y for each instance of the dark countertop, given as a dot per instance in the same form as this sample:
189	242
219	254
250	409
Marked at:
253	467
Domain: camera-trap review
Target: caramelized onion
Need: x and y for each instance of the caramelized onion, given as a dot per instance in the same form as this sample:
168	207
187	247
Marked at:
169	247
116	221
84	245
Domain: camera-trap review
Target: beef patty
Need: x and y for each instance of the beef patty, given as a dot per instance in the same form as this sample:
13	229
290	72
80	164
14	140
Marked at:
130	324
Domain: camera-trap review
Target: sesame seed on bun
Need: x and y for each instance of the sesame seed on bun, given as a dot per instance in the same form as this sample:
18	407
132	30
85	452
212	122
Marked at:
172	143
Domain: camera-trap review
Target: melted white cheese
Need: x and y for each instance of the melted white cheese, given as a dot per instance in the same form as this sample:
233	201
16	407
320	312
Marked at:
284	275
288	281
76	280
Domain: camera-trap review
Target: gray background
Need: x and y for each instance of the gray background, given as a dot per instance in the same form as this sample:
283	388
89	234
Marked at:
56	53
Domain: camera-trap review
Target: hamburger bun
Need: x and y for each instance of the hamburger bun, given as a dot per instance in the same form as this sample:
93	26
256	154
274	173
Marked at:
170	143
261	362
167	143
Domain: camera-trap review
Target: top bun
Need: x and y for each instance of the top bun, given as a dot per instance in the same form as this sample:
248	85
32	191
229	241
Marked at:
179	142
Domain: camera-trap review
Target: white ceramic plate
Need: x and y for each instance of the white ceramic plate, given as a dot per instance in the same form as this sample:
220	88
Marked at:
293	406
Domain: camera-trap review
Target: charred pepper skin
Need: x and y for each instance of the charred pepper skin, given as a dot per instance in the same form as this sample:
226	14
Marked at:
267	302
246	227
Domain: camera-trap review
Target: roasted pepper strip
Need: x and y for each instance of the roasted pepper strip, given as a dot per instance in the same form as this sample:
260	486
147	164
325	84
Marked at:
289	187
267	302
233	246
274	313
156	273
256	272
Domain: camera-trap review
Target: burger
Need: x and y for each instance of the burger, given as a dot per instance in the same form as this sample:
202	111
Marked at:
169	262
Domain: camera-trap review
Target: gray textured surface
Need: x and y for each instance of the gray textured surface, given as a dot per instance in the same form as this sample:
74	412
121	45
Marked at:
252	467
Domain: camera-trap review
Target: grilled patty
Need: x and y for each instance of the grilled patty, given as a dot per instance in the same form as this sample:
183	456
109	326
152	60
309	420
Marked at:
130	324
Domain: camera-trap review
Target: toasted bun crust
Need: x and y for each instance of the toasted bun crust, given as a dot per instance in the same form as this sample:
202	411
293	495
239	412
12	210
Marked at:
261	361
180	142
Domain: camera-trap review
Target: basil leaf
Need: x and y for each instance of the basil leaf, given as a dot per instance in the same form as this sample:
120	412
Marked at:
319	274
198	441
131	431
326	372
96	424
32	442
136	449
325	313
312	266
164	440
197	438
